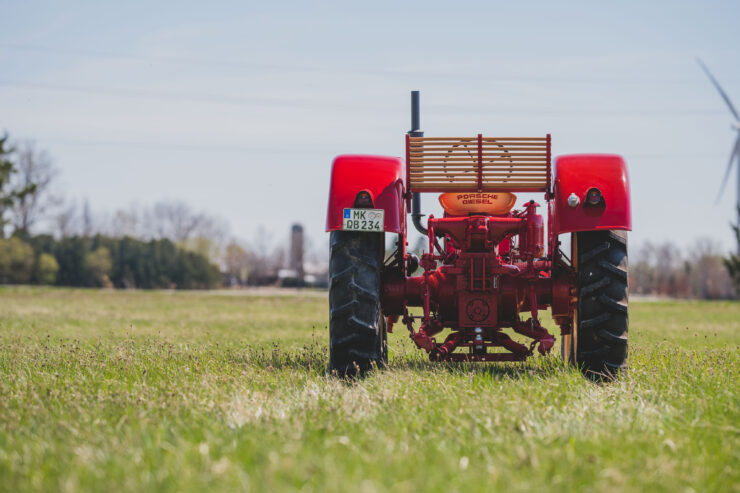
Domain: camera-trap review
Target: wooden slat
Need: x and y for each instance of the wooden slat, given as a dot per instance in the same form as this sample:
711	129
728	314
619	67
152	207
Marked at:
456	179
498	172
497	165
514	186
487	140
494	172
474	165
537	175
474	144
445	175
465	150
488	164
486	152
452	143
442	156
473	182
488	148
475	139
474	168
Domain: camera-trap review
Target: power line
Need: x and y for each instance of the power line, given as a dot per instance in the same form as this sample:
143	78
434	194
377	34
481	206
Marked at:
686	155
161	95
158	59
133	144
344	71
138	144
294	103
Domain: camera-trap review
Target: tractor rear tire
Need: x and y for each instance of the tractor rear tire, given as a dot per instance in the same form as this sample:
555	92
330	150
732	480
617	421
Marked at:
599	339
357	328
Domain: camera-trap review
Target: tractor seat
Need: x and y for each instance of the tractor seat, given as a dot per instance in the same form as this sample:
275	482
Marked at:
490	203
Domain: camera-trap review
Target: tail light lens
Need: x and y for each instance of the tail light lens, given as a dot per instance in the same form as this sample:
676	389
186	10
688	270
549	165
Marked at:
594	197
363	200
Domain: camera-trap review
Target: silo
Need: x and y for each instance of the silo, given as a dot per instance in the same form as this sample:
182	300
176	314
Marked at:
296	251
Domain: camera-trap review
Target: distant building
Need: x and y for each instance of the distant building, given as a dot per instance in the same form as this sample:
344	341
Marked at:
295	261
299	273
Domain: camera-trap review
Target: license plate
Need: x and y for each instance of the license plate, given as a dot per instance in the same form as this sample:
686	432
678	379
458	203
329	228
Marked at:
363	219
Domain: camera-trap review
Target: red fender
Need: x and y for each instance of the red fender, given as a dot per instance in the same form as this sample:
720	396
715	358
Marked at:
577	174
382	176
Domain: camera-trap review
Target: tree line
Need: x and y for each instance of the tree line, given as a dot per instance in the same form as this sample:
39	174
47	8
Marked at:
79	255
102	261
702	272
46	238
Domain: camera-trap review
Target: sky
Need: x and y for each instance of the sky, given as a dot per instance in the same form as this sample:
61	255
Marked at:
238	107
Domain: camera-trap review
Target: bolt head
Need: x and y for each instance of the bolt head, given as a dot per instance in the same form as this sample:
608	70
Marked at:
573	200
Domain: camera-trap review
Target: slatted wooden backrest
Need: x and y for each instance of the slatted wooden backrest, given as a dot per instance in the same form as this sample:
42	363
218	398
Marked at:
476	164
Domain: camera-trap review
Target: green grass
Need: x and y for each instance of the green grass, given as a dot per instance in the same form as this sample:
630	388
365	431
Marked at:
141	391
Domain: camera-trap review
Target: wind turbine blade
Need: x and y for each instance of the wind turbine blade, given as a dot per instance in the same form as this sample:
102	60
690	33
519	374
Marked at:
719	88
735	150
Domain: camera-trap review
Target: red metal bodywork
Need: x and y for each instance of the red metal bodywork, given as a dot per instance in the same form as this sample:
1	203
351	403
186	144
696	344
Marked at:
382	176
579	173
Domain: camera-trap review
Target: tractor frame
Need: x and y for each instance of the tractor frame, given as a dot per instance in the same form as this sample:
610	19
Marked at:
482	272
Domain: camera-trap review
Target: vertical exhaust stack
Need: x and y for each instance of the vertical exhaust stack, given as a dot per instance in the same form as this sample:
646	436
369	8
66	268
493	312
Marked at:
415	131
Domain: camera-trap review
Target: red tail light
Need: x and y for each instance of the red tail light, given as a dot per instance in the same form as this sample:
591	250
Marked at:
363	200
594	197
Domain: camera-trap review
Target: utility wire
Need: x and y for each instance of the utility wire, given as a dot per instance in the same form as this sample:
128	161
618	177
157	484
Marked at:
295	103
162	59
133	144
277	149
160	95
345	71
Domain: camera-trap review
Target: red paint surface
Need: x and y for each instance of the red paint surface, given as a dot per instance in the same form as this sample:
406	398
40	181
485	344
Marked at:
382	176
578	173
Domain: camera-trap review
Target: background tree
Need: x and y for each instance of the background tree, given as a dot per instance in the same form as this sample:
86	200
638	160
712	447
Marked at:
10	193
16	261
126	223
35	174
237	263
733	261
662	270
88	225
65	221
45	271
708	277
175	220
99	265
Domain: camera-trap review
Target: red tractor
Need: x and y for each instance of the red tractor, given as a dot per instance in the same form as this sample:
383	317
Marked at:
487	267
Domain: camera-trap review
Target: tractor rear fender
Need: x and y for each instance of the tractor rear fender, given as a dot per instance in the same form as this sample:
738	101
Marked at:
575	175
381	176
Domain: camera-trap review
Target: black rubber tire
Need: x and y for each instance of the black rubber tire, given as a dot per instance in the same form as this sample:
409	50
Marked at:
603	303
357	329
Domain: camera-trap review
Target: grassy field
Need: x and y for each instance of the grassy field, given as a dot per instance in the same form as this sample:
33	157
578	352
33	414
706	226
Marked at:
141	391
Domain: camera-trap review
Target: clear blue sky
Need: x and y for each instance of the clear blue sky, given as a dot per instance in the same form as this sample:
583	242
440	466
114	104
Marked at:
239	107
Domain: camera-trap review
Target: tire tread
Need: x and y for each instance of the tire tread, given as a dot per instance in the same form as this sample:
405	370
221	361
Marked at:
603	303
356	325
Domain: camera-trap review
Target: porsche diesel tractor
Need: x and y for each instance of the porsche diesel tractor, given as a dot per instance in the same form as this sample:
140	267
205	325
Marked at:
490	266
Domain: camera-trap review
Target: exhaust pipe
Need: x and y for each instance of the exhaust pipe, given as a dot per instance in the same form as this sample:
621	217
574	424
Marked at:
415	131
